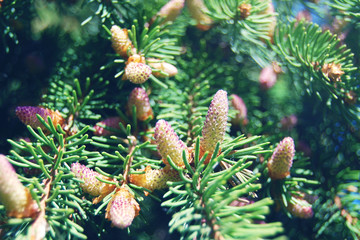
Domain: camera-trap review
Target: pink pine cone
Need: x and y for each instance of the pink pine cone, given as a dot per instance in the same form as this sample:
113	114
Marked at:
140	99
122	209
169	144
137	72
91	184
112	122
14	196
282	158
27	115
215	123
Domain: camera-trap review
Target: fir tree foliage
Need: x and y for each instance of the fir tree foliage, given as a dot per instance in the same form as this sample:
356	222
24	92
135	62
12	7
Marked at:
292	43
348	9
98	170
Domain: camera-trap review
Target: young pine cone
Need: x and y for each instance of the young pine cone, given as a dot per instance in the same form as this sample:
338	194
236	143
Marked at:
91	184
170	10
122	209
215	123
282	158
197	11
169	144
140	99
112	122
120	41
154	179
27	115
14	196
137	72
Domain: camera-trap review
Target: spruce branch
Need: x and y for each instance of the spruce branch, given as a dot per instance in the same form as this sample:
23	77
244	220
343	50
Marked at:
327	65
203	206
347	8
246	23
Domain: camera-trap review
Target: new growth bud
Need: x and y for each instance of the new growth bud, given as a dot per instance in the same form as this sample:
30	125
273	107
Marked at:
333	71
154	179
91	184
120	41
300	208
282	158
171	10
267	77
240	107
215	123
169	144
122	209
112	122
245	10
14	196
27	115
198	11
167	68
140	99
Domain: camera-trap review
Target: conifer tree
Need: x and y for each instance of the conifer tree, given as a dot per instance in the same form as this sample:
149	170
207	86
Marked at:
179	119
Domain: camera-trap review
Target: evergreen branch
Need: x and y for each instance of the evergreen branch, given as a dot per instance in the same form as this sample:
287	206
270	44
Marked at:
348	8
327	65
206	199
247	24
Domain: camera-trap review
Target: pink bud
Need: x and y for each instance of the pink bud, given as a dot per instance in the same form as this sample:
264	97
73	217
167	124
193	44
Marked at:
112	122
91	184
267	77
300	208
122	209
169	144
140	99
215	123
239	105
282	158
289	122
27	115
13	195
